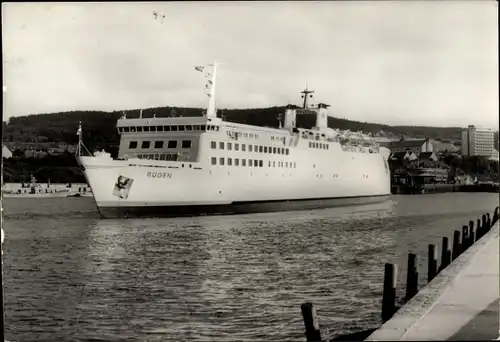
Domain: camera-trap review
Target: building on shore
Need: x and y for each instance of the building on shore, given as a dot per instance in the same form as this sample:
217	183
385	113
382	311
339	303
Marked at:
416	146
6	153
477	141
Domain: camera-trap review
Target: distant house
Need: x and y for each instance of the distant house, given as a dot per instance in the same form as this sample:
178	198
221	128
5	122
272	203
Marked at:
431	156
441	147
494	156
415	146
400	156
6	153
34	154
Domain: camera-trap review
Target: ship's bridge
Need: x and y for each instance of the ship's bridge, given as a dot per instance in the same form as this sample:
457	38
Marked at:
170	138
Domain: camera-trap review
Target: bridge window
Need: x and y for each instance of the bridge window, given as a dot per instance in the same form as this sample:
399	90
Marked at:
126	129
166	128
189	128
132	129
287	151
146	129
213	144
243	162
186	143
221	145
132	144
255	163
172	144
152	128
261	149
236	162
261	163
265	149
229	161
173	128
255	148
181	128
145	144
158	144
279	150
229	146
162	157
274	150
249	162
243	147
159	128
203	127
221	161
214	161
139	129
236	147
249	148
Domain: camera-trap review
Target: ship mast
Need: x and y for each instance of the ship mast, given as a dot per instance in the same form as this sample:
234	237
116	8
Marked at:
212	110
306	92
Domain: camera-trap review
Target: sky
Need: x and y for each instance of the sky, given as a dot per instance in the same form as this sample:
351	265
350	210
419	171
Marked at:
399	63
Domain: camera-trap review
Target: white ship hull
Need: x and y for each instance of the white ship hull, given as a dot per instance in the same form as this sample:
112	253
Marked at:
161	188
187	165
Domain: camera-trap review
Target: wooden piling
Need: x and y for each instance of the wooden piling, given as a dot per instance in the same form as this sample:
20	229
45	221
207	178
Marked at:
445	254
465	230
432	262
412	276
478	229
471	233
310	322
457	246
389	294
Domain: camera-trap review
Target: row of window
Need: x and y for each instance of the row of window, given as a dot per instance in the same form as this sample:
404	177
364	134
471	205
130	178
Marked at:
170	128
188	128
251	148
159	156
251	162
318	145
159	144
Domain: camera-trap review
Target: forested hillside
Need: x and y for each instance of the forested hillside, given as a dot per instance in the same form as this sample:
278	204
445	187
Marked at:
100	127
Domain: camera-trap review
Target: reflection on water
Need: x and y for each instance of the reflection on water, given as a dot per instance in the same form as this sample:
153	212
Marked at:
74	277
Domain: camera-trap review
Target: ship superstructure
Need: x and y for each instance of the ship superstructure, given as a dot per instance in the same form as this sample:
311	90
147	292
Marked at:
188	165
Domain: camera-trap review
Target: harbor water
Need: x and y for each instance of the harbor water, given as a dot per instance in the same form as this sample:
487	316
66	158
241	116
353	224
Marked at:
69	276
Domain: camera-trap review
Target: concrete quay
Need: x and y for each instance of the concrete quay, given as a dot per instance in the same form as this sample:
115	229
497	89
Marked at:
461	303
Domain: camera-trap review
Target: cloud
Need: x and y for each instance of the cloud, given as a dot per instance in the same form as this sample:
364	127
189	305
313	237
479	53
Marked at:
432	63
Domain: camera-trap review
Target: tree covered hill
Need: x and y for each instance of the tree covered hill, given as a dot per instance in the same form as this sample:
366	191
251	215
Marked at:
99	127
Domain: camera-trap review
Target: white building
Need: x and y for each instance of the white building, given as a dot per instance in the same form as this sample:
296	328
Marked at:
477	141
494	156
6	153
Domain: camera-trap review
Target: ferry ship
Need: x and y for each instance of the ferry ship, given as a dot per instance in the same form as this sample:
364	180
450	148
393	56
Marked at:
175	166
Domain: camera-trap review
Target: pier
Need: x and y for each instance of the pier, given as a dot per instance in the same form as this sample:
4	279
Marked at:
460	303
461	300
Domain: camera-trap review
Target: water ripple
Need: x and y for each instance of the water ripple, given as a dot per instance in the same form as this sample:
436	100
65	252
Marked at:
72	277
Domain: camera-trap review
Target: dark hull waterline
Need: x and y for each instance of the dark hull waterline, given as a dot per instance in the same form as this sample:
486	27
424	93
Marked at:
236	208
